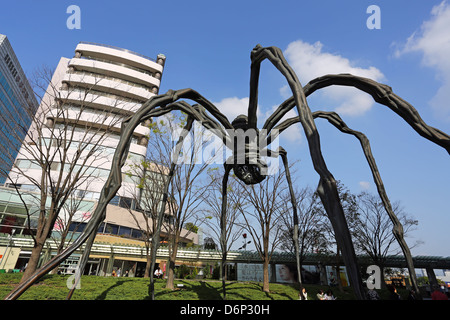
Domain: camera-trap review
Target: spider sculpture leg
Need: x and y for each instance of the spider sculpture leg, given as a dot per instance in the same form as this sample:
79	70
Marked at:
223	221
382	94
397	230
295	215
327	188
156	237
155	106
336	120
82	264
283	154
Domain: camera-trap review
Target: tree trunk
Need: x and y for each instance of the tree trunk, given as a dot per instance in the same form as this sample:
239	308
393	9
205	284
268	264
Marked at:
34	260
171	269
148	266
266	278
337	270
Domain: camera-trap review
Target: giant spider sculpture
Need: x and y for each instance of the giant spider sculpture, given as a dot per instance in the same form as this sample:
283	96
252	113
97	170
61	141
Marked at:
249	167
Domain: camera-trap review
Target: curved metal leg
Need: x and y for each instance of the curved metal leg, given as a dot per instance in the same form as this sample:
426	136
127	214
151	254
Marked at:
380	93
336	121
53	263
223	226
82	263
327	185
156	233
114	181
283	155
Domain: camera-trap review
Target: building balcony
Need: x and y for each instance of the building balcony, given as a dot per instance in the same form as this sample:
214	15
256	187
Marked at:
115	71
119	55
103	103
108	85
95	119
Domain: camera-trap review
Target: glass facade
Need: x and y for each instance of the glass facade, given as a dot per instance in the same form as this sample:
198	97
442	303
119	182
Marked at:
17	106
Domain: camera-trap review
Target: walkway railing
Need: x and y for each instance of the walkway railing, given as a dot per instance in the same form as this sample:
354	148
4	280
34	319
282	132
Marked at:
232	256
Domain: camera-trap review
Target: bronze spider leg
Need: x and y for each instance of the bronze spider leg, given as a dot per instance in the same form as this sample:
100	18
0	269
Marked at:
209	123
156	234
113	183
336	120
223	221
283	154
327	185
380	93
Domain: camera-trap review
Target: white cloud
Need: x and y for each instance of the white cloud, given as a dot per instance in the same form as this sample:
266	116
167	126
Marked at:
309	61
293	133
433	42
232	107
364	185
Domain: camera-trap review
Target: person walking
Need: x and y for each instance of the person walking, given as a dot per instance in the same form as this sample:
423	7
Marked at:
303	295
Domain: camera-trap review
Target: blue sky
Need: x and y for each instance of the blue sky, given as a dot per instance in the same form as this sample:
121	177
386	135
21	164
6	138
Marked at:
208	44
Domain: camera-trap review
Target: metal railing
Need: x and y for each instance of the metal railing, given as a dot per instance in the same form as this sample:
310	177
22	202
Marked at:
232	256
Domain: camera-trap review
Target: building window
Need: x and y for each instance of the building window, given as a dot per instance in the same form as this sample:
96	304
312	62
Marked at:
115	201
137	234
124	231
101	229
77	226
111	229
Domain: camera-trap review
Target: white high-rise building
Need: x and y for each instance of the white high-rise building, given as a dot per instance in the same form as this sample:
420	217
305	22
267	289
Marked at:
88	97
70	147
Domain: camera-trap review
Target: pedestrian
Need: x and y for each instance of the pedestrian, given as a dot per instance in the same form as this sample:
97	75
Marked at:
438	294
329	295
373	294
394	295
303	295
412	295
333	282
320	295
158	273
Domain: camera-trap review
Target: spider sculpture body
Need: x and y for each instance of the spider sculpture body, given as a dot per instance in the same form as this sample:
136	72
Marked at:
247	162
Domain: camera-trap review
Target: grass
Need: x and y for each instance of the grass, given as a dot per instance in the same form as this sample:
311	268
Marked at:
53	287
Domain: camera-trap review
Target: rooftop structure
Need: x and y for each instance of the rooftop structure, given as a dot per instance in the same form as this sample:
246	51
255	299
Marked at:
17	105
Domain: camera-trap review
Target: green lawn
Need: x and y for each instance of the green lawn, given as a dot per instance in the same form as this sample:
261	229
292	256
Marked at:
53	287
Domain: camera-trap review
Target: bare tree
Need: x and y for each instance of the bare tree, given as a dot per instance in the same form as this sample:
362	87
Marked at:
311	237
212	200
62	155
152	178
187	185
262	217
373	233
